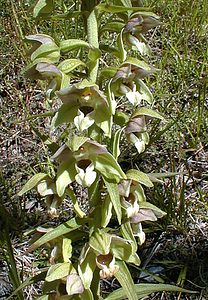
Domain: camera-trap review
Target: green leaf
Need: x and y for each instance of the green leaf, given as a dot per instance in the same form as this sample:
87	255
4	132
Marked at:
100	241
50	51
139	177
117	9
138	63
145	289
122	51
65	175
28	281
126	281
65	114
94	54
58	271
145	91
69	65
87	267
123	250
108	72
106	211
116	142
72	44
32	182
115	198
127	233
108	167
62	229
43	7
115	26
77	208
143	111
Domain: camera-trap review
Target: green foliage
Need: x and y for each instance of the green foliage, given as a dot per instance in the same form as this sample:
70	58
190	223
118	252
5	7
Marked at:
89	97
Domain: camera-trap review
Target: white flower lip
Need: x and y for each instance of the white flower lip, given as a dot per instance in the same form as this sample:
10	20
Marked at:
85	177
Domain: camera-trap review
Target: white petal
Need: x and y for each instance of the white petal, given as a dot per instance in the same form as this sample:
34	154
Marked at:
134	97
87	177
83	122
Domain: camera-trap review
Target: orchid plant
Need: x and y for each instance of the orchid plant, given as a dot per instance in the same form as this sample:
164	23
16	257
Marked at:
100	102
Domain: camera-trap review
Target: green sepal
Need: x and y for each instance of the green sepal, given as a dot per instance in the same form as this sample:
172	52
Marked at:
108	72
65	114
138	63
32	182
65	175
120	118
139	177
100	241
144	90
76	142
158	212
66	249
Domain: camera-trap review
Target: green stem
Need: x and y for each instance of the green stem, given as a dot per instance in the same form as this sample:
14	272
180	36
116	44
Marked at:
92	35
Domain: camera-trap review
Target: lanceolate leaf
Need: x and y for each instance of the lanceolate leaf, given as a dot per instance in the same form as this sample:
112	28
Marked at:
115	198
72	44
69	65
62	229
139	177
116	142
143	111
43	7
32	182
138	63
126	281
45	50
122	51
113	26
144	289
58	271
118	9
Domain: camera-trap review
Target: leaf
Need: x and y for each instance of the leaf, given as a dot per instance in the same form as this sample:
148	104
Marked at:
72	44
100	241
108	167
127	233
115	26
115	198
45	50
62	229
143	111
139	177
122	51
126	281
69	65
117	8
116	141
58	271
65	114
145	91
158	212
65	175
32	182
145	289
138	63
77	208
28	281
87	267
43	7
106	211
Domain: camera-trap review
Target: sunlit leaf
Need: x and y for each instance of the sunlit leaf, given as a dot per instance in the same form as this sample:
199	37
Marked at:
72	44
100	241
144	111
139	177
69	65
58	271
66	249
115	198
32	182
145	289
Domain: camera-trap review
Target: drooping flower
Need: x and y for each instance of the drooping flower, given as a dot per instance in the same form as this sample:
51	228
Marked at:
107	264
127	81
84	104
